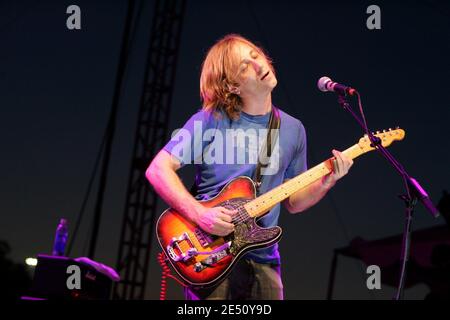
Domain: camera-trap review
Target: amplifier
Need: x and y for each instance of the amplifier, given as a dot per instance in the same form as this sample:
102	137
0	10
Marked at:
63	278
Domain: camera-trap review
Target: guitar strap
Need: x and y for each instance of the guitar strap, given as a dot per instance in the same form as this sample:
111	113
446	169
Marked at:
274	124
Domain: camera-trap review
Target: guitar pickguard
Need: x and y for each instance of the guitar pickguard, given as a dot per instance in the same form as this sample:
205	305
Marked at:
247	233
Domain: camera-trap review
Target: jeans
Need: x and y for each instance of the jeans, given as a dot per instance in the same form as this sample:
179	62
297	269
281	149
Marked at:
248	280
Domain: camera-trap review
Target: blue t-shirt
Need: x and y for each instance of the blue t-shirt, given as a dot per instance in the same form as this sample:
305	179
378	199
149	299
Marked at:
222	149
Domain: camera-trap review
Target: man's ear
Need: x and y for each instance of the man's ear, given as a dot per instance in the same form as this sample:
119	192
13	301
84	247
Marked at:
234	89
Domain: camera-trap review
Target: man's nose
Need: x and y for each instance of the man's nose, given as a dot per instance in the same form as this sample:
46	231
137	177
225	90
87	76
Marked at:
256	66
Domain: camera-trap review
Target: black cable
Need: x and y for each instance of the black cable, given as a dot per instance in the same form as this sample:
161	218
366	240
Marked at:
86	196
84	251
97	161
112	122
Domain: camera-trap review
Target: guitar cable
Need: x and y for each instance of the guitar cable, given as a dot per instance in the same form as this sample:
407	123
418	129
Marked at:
165	273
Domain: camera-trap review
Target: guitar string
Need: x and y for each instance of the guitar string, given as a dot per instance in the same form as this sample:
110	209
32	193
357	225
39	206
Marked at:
316	173
288	188
319	171
241	216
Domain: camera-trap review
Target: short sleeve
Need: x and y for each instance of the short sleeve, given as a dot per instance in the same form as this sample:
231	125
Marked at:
186	143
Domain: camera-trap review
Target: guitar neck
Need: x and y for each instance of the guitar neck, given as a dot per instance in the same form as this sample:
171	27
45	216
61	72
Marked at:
265	202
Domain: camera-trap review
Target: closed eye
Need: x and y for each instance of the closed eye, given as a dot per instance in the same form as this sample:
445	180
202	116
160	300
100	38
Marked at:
244	66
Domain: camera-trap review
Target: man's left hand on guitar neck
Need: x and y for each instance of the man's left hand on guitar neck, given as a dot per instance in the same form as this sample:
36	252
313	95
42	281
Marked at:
341	166
309	196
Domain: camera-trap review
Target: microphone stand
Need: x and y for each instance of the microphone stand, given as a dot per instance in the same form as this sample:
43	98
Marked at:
414	192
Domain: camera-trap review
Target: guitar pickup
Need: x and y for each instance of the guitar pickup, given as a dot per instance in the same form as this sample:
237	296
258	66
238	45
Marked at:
205	239
210	260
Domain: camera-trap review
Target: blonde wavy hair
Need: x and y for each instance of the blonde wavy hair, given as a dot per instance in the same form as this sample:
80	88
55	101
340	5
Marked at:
219	73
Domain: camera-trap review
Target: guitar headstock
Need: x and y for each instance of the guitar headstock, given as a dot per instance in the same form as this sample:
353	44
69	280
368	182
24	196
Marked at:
386	136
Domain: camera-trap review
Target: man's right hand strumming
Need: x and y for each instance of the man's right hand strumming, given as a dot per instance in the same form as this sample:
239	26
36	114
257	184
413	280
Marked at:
216	220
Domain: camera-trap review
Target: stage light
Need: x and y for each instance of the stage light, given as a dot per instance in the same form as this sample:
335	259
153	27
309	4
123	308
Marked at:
31	262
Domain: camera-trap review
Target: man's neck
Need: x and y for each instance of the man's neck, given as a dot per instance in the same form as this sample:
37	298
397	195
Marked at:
258	105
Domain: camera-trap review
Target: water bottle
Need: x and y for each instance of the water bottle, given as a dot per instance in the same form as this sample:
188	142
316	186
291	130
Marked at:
62	232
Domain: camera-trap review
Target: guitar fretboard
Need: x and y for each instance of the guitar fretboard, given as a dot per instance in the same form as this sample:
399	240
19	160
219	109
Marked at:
265	202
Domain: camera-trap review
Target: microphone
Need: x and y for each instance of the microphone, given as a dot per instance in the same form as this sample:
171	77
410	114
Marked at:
326	84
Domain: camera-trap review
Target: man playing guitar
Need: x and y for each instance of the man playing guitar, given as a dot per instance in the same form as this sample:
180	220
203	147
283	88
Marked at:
236	83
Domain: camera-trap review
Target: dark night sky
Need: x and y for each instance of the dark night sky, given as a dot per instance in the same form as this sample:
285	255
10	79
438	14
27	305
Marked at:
56	92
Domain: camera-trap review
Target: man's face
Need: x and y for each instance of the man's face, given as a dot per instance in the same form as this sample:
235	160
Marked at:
255	74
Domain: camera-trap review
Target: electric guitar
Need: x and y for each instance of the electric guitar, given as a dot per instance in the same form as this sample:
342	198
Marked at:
202	259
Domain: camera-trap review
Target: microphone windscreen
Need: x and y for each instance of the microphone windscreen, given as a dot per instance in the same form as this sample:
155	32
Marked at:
322	84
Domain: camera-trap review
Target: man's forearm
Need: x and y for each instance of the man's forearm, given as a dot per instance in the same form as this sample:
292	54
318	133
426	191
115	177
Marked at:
307	197
170	187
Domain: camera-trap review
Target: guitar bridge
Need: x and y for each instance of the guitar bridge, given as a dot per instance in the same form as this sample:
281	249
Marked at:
175	251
